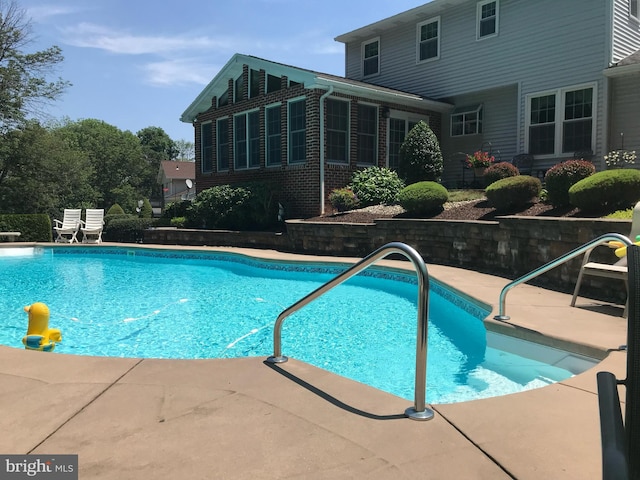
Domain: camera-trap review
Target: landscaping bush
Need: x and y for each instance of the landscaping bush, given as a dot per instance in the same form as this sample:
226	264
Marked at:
420	155
176	209
376	186
35	227
126	229
343	199
146	210
606	191
513	192
115	209
423	198
562	176
498	171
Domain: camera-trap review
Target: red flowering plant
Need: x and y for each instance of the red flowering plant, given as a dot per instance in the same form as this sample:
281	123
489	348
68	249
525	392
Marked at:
480	159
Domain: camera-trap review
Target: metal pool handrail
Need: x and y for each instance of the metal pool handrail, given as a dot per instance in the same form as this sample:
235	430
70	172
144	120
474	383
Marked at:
419	411
554	263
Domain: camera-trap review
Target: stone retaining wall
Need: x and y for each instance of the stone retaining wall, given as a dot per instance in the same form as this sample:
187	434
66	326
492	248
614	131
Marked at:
509	247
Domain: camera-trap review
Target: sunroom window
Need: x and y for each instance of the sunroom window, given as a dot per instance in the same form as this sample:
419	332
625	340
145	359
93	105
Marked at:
206	147
222	137
297	131
337	131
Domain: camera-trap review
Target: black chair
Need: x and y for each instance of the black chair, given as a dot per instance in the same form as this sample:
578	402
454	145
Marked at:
621	441
524	163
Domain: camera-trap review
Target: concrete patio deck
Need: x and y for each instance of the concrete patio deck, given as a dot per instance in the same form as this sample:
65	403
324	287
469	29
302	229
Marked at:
244	419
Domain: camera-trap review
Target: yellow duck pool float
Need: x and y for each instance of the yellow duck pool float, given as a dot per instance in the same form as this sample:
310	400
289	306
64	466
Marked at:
39	336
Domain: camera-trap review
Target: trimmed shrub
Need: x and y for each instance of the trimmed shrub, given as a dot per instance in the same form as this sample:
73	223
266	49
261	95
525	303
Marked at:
498	171
343	199
146	211
562	176
176	209
33	227
115	209
420	155
423	198
376	186
126	229
606	191
513	192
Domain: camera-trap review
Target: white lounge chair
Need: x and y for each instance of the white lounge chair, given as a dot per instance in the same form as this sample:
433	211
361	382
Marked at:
67	229
617	270
92	225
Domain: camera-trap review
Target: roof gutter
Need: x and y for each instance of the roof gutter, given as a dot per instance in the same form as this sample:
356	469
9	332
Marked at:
322	98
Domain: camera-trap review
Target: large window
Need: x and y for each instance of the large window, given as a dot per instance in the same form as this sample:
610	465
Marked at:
428	47
633	9
297	131
337	117
466	121
206	147
222	136
274	135
398	130
367	134
487	18
246	153
371	57
561	121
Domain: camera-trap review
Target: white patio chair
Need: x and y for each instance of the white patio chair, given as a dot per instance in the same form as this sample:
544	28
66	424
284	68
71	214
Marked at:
617	270
67	229
92	225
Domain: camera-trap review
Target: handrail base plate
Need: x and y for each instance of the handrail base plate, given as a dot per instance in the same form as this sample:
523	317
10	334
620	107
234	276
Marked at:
426	414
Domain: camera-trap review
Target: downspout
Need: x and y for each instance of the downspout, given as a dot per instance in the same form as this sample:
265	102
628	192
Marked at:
322	98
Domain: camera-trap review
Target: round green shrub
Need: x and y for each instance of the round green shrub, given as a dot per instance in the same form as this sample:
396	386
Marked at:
562	176
498	171
513	192
115	209
376	186
423	198
420	155
343	199
606	191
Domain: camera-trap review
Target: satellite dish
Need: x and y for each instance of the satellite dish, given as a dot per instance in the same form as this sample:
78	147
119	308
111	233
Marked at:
189	183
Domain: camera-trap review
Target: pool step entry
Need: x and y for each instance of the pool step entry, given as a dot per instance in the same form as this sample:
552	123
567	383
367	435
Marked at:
419	411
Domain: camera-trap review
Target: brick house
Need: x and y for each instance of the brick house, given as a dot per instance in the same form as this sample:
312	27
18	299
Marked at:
262	120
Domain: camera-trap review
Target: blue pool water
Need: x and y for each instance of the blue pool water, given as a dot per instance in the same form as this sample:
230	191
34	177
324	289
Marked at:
129	302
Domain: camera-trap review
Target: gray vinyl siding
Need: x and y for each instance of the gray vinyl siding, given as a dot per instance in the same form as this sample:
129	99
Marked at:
499	129
626	32
625	101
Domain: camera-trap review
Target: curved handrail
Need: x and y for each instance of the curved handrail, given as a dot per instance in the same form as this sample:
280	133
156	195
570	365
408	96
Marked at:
554	263
419	411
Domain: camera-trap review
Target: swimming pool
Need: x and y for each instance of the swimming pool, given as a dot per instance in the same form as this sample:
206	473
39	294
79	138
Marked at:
136	302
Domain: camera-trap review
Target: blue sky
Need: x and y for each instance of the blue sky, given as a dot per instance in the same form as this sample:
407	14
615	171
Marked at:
140	63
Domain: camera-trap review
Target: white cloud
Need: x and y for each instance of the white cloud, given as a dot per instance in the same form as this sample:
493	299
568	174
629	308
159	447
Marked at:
44	12
179	72
89	35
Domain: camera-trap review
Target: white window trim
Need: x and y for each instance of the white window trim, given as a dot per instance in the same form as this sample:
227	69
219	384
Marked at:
213	144
479	13
637	15
407	117
348	133
439	37
266	134
247	140
559	118
289	102
362	48
475	111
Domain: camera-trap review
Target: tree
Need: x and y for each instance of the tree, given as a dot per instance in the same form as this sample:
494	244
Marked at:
420	156
186	151
23	76
157	145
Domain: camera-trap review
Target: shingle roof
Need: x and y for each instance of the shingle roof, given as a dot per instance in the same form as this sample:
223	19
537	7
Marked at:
178	170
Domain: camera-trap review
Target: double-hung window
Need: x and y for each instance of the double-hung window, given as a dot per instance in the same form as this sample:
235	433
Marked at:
428	38
246	150
466	121
371	57
399	127
367	134
206	147
633	9
337	117
561	121
222	137
273	135
297	131
487	18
